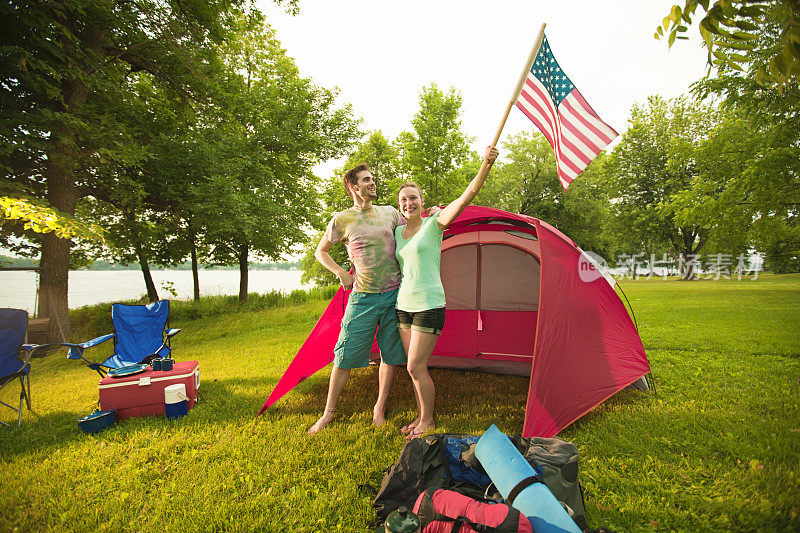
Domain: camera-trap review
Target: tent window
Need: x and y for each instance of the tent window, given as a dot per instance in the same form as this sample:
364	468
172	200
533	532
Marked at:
459	269
509	279
522	234
517	223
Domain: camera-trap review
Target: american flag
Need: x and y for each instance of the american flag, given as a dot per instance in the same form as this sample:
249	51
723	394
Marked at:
565	118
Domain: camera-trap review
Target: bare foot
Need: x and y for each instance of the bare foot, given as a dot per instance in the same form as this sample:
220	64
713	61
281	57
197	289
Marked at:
408	428
421	429
320	424
378	416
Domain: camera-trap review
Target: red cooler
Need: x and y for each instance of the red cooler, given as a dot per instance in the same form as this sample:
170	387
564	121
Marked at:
143	394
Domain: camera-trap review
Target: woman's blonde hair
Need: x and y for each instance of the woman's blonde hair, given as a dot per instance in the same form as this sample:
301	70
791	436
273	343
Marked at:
411	184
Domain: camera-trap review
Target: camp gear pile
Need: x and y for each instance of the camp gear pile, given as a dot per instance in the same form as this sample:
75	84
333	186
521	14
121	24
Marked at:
447	461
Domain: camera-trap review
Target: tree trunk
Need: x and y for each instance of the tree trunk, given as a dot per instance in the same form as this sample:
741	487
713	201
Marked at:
691	250
54	286
134	238
195	274
62	193
688	274
243	252
152	294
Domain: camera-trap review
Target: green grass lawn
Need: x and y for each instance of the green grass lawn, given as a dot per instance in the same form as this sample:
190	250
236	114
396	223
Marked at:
717	448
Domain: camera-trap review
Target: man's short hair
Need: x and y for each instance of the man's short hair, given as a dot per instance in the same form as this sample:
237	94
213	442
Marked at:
351	177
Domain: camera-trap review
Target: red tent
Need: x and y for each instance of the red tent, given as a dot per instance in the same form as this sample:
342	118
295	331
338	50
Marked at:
522	298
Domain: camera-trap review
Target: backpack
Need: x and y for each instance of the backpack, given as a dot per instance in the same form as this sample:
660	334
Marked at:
446	511
423	463
556	462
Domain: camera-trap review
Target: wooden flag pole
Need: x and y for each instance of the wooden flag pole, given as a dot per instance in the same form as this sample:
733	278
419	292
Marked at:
518	87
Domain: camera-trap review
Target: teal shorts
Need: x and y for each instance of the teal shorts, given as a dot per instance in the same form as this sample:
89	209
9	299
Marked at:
366	311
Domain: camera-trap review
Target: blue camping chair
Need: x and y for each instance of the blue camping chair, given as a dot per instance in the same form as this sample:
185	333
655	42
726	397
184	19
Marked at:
15	356
140	335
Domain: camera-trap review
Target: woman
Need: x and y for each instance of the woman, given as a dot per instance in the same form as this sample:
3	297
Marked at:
420	301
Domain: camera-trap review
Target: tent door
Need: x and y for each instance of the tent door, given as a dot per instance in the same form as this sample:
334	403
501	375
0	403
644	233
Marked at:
508	295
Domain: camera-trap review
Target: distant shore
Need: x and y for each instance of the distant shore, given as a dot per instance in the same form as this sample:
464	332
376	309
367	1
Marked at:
89	287
24	262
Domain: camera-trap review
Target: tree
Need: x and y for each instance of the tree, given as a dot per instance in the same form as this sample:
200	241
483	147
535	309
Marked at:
131	230
181	162
756	46
748	183
59	58
654	163
139	198
709	200
759	143
271	126
436	147
732	31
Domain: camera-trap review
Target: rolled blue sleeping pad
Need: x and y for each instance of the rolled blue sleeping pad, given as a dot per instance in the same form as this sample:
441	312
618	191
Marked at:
507	468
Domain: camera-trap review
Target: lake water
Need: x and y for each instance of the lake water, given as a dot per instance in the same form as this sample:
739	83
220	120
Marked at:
89	287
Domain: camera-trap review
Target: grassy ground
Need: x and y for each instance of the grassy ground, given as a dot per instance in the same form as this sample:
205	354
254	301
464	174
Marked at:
716	449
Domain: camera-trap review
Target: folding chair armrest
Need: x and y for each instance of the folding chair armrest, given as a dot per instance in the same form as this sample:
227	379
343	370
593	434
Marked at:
76	350
98	340
33	349
172	332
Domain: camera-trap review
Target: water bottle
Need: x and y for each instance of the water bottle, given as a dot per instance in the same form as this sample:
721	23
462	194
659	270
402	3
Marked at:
402	521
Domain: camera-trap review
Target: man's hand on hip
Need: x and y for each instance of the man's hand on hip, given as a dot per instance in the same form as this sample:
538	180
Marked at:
346	280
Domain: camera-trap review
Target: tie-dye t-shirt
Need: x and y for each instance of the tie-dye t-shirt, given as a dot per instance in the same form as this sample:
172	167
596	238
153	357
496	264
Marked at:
369	238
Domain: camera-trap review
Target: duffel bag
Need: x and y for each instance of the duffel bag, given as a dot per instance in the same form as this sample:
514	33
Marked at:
447	511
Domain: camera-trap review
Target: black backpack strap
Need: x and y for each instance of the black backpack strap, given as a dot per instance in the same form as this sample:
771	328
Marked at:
425	512
522	485
480	528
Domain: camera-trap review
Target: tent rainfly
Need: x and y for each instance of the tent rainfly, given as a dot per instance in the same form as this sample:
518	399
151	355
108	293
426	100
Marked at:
522	298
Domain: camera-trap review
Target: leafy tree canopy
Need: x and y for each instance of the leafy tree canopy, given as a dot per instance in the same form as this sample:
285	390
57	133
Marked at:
732	31
436	146
42	219
656	161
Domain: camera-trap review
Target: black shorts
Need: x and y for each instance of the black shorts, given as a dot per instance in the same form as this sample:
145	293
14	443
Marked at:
429	321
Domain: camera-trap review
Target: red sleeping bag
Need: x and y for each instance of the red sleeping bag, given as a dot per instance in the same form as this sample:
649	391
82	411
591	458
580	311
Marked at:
439	509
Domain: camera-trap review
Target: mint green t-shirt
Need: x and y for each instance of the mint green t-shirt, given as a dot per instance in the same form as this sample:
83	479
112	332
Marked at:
419	258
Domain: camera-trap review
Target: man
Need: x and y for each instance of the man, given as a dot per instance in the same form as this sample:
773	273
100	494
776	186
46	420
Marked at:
368	233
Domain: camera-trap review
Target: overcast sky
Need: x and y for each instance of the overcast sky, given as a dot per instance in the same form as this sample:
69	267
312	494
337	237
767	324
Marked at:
379	54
